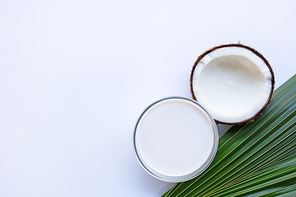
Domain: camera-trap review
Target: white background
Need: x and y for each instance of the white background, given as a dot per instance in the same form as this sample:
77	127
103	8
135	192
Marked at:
75	76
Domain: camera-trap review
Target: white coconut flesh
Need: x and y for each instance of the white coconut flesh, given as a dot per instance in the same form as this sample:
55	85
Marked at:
232	83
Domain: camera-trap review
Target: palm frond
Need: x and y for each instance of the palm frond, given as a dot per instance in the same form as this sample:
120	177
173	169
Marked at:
256	159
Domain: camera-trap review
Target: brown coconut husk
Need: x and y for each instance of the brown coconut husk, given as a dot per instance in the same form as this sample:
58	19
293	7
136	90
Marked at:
256	53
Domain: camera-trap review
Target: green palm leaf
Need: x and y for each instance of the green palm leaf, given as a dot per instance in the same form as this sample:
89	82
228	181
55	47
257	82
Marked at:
256	159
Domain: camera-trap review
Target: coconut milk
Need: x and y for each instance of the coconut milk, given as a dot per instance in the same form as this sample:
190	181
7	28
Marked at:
174	137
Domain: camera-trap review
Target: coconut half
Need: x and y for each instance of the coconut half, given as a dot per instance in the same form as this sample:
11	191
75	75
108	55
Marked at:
233	82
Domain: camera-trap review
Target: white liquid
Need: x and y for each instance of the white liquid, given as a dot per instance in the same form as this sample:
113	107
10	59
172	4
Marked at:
175	137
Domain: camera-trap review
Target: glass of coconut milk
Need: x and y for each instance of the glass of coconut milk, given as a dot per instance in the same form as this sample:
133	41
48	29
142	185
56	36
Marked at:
175	139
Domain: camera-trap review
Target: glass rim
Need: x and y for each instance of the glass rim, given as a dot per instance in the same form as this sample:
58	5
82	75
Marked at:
197	171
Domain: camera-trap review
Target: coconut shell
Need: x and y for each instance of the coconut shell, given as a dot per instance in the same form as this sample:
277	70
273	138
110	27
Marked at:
256	53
